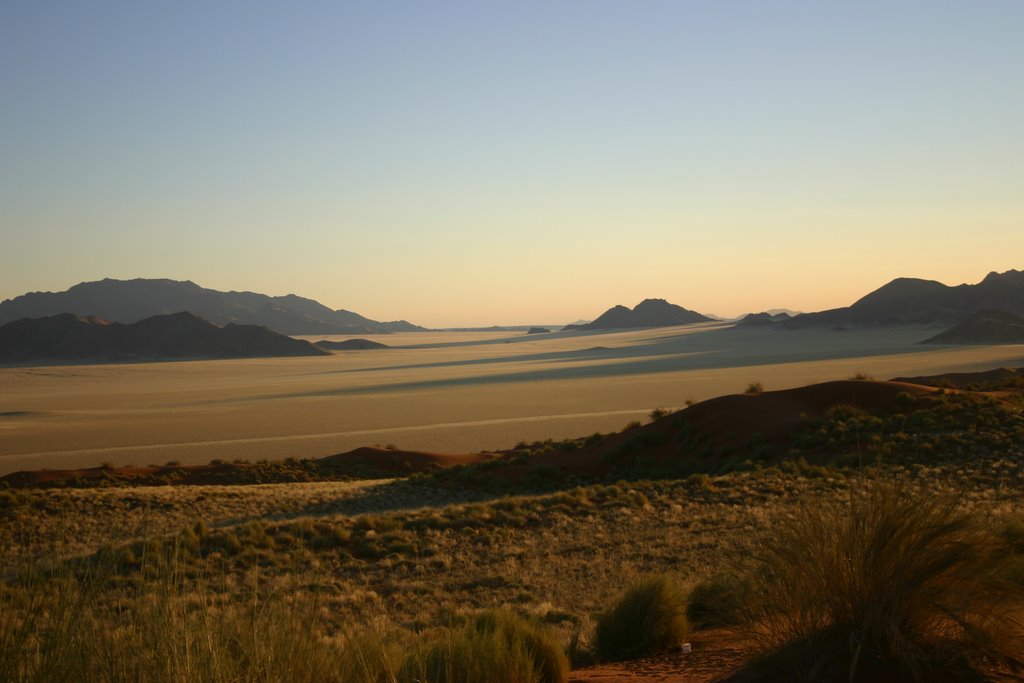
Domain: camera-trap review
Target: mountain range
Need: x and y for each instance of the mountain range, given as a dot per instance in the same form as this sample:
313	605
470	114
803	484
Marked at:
902	301
916	301
69	337
128	301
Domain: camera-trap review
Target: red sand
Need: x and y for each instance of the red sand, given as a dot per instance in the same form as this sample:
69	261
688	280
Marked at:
715	653
400	461
773	414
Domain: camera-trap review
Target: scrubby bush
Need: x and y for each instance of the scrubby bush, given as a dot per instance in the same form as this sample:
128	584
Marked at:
649	618
717	601
496	647
754	388
893	583
658	413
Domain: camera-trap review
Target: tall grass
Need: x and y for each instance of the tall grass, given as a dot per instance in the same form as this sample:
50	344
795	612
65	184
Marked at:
88	622
649	618
496	647
71	628
893	583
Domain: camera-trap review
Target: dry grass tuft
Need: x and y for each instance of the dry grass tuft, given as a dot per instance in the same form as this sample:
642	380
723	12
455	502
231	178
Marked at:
649	618
717	601
893	584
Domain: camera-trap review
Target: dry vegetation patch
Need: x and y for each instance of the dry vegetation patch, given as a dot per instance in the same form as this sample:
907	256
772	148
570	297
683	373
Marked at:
373	571
892	583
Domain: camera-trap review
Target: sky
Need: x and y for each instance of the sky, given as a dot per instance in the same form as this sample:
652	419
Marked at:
464	163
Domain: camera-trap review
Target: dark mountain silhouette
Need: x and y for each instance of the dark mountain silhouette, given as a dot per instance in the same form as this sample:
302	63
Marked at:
538	330
984	327
497	328
764	319
351	345
128	301
910	300
648	313
69	337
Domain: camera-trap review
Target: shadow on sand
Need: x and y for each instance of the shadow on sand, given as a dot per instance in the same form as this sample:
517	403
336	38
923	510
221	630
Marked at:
714	348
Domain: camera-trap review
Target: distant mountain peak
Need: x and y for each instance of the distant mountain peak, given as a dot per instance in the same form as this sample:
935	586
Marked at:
763	319
647	313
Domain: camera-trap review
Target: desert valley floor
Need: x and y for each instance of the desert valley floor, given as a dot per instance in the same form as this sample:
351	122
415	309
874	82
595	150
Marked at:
390	557
436	391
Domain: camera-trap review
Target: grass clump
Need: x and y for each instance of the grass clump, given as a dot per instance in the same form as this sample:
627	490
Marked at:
649	618
893	584
754	388
496	647
717	601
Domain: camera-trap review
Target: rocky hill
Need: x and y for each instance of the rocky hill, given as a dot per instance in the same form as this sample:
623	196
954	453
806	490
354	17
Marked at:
984	327
763	319
351	345
72	338
648	313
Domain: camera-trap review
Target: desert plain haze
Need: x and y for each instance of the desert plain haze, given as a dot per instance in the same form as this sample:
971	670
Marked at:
458	164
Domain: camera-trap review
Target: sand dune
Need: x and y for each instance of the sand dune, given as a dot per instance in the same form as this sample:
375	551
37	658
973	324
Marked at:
436	392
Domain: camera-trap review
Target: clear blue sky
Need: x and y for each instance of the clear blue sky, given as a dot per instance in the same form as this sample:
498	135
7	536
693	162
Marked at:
477	162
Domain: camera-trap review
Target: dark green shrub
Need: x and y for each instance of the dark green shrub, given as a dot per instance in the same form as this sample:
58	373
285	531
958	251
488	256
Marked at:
8	499
649	618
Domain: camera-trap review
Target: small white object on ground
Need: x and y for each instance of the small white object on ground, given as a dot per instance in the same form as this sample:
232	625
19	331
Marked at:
686	648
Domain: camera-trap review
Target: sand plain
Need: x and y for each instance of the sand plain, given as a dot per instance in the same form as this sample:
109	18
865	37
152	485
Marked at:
441	391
